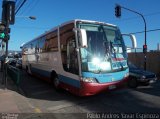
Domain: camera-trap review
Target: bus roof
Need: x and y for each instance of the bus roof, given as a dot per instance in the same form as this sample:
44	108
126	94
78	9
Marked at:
86	21
65	23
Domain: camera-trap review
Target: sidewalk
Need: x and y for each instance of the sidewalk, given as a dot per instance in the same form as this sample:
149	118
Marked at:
10	99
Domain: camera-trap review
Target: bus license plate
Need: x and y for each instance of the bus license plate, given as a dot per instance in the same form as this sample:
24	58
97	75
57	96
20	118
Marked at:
112	87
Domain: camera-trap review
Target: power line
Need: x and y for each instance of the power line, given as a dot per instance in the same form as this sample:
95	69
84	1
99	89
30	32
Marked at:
146	31
131	18
41	28
32	27
28	7
20	6
18	2
28	4
32	6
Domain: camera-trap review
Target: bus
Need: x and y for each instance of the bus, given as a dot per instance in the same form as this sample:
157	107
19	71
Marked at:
81	56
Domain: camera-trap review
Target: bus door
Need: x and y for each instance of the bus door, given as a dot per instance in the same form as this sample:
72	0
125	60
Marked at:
68	49
72	64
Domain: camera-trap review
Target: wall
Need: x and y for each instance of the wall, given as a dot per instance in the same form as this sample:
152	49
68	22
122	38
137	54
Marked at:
153	61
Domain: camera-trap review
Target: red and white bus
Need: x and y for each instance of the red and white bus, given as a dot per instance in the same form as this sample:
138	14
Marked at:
84	57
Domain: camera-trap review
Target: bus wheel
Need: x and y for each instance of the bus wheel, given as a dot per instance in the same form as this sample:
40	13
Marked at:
55	80
56	83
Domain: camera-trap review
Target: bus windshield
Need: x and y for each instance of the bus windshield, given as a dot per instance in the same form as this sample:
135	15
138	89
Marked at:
106	50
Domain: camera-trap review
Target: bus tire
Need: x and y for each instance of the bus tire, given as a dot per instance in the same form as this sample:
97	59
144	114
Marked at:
55	81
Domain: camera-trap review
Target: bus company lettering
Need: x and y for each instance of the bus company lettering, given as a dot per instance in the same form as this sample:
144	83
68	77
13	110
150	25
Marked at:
104	75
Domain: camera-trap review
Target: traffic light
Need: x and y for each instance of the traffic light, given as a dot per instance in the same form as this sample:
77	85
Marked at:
118	11
4	32
2	35
144	48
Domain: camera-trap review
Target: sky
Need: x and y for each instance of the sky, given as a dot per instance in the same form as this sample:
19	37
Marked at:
51	13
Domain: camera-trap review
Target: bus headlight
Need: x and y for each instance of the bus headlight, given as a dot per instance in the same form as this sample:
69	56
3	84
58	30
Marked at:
96	61
89	80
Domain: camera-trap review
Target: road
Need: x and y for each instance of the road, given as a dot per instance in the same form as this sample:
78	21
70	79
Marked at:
42	96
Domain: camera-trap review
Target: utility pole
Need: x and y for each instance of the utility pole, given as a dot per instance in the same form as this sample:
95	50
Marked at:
8	17
118	9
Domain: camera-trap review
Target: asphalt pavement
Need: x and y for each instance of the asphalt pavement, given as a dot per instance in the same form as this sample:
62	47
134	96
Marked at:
37	99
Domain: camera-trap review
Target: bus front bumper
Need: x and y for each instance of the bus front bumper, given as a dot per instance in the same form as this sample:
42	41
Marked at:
95	88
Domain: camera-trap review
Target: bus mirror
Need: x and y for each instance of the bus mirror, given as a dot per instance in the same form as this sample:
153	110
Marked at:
133	38
83	37
134	41
22	45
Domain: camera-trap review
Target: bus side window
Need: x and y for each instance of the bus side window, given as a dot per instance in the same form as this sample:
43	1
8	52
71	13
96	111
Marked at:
41	44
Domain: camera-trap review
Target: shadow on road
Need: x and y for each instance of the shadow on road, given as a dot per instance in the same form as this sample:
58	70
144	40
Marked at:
8	85
153	89
124	100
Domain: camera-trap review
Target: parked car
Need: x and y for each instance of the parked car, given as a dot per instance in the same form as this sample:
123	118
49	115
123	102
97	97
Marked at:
12	62
19	64
139	77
